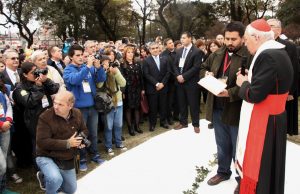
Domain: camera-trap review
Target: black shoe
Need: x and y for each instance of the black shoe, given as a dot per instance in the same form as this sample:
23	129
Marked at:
164	125
170	121
131	131
151	128
137	129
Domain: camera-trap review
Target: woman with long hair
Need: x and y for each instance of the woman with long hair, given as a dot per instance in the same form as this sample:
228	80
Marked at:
212	47
113	119
144	52
34	94
132	72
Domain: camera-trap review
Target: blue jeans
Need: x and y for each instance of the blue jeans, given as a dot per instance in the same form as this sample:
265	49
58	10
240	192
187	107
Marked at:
4	144
90	117
56	178
114	123
226	137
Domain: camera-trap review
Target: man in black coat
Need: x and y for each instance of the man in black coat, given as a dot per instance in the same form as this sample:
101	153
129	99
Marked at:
292	100
170	53
186	70
55	59
20	138
156	73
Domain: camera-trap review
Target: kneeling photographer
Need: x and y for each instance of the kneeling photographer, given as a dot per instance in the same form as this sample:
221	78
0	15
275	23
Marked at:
61	131
114	118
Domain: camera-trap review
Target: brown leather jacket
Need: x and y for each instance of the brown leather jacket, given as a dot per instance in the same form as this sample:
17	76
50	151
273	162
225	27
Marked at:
53	132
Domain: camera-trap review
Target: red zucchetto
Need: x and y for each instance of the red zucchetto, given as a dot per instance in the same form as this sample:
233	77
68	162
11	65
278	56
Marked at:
261	25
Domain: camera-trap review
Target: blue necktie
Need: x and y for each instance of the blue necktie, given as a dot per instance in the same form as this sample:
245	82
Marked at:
157	62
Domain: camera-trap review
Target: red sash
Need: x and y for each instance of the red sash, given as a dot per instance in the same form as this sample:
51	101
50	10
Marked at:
272	105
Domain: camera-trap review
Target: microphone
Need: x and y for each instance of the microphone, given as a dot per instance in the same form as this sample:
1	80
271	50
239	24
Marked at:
243	65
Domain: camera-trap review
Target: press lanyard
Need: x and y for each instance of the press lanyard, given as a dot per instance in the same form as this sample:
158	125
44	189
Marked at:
226	63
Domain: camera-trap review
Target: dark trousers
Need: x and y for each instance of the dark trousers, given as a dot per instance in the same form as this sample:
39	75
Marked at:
226	137
157	104
188	96
272	169
172	102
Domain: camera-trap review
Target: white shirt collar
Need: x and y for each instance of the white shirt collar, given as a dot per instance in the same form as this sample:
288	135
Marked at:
189	47
155	57
11	75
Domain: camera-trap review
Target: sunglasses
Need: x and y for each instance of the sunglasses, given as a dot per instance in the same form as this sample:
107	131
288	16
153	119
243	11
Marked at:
14	58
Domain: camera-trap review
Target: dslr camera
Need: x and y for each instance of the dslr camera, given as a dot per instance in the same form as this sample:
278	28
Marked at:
37	72
114	64
84	140
98	56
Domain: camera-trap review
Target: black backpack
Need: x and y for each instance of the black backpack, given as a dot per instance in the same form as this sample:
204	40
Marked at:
103	101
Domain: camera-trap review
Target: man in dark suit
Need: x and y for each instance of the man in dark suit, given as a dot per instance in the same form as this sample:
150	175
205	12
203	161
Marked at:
186	70
55	59
291	106
156	73
172	111
10	75
20	139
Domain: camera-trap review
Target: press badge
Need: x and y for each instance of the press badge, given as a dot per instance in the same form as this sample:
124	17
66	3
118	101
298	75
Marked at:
45	102
86	87
181	62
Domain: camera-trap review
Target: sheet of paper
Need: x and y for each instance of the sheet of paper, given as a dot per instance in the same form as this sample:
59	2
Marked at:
212	84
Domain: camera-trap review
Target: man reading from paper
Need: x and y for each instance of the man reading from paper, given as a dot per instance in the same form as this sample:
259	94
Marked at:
223	110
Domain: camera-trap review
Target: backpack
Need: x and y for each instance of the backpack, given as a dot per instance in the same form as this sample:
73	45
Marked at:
103	101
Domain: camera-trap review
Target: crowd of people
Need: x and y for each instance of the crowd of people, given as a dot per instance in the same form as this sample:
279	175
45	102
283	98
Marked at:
50	113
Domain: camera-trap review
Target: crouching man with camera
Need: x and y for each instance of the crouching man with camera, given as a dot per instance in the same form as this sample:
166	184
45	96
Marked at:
60	132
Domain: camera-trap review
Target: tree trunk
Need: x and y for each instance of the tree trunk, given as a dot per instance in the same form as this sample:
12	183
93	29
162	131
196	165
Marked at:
164	22
99	7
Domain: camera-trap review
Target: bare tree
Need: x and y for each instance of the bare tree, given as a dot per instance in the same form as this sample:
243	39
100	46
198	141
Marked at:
146	10
255	9
106	27
19	14
162	5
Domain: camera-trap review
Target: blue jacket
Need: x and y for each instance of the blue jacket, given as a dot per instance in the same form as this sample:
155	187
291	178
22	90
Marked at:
4	103
74	76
